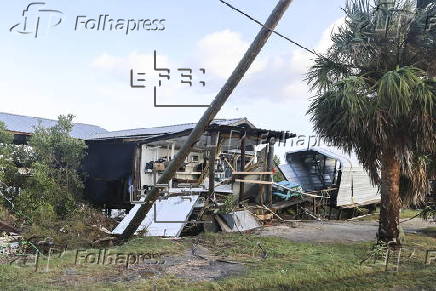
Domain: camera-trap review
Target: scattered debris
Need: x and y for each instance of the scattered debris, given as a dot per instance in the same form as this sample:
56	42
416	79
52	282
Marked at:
105	242
241	221
9	244
4	227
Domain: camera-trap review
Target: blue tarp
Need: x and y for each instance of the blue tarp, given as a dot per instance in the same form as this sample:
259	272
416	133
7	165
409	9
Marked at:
294	190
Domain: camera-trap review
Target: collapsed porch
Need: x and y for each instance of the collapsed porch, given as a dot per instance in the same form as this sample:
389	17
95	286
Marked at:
232	160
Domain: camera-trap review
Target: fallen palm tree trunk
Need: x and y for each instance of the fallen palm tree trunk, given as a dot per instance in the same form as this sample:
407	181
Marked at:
210	113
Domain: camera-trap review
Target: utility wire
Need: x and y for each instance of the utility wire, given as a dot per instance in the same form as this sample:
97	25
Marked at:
273	31
285	37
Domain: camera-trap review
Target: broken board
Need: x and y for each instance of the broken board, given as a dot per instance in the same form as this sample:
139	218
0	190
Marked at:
168	221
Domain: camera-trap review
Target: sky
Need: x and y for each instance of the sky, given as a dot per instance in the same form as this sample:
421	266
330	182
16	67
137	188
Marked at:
71	68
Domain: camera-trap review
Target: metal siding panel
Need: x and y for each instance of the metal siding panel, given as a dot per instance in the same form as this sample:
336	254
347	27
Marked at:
171	209
364	191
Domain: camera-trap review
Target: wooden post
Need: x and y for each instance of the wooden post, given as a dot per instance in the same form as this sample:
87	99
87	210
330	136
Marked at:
136	172
173	150
210	113
212	155
262	189
242	169
270	164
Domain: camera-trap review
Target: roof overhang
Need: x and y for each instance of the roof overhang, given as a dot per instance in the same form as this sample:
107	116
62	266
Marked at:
254	136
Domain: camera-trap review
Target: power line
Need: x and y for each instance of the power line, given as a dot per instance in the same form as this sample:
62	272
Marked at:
273	31
283	36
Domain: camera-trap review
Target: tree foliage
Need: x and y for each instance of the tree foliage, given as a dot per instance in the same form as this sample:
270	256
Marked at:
375	89
46	171
6	151
12	157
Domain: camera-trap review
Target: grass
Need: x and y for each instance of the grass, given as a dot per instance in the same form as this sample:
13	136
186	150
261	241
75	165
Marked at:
20	277
429	231
73	231
288	265
405	213
319	266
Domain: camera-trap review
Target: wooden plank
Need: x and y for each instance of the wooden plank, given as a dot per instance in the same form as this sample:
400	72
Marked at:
211	164
254	182
242	169
188	173
269	168
253	173
222	224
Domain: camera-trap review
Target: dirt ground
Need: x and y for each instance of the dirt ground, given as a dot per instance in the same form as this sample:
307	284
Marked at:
335	231
198	265
195	265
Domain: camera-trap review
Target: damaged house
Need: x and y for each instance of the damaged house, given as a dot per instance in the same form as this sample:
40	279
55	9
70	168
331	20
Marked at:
123	165
232	163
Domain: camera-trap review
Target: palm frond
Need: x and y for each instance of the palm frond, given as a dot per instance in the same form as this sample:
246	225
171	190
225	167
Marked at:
375	89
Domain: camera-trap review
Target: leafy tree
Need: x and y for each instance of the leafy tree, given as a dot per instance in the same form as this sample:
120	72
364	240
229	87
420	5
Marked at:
375	94
11	158
54	185
7	167
6	150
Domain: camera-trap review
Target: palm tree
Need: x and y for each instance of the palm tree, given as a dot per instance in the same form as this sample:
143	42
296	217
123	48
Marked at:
374	93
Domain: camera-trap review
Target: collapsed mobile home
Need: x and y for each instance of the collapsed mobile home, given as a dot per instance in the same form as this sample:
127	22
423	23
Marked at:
232	163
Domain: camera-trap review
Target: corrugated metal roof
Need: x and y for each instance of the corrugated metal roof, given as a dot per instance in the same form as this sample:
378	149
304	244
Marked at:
355	187
300	169
164	129
27	124
347	160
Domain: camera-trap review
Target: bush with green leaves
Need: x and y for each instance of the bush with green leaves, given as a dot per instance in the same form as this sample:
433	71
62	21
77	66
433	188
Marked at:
7	165
51	185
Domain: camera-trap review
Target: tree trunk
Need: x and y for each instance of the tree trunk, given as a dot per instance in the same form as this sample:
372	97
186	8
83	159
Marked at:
209	114
390	199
